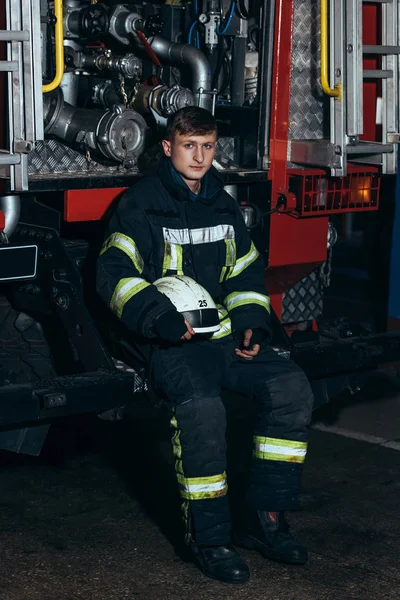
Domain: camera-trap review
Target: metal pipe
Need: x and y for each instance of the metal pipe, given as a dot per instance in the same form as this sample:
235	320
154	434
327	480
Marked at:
59	35
118	134
183	54
10	66
7	158
238	70
11	207
335	92
14	36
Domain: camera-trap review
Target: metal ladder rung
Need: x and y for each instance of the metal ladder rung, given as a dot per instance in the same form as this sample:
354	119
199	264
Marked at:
377	74
381	50
25	105
6	158
370	148
10	66
386	50
14	35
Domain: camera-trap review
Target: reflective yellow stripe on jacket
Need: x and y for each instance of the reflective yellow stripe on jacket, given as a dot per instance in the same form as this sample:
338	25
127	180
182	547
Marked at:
230	259
237	299
173	258
244	262
224	321
127	245
124	291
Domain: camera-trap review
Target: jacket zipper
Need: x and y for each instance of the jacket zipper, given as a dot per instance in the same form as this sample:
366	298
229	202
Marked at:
191	242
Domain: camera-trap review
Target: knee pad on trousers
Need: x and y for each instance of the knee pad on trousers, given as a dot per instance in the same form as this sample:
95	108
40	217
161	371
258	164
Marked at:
288	398
202	425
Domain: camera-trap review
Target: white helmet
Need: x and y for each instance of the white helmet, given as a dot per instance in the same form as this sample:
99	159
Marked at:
192	301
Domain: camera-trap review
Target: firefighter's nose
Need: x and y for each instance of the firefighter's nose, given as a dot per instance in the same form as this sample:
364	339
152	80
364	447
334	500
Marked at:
198	155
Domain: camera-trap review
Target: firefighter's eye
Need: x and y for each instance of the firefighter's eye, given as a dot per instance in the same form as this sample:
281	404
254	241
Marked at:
188	145
208	146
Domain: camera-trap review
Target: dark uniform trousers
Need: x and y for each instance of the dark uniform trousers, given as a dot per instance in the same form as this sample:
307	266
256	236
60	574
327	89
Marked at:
189	377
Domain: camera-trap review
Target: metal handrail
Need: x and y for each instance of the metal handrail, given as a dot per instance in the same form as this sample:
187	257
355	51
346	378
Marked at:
59	37
335	92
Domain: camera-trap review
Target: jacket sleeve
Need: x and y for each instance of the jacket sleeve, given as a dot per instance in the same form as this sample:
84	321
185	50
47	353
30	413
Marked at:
243	290
120	281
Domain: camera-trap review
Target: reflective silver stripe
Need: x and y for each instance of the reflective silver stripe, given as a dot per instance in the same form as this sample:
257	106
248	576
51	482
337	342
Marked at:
281	450
127	245
201	488
222	312
173	258
176	258
237	299
124	291
243	262
203	235
225	322
204	487
267	448
230	258
176	236
226	329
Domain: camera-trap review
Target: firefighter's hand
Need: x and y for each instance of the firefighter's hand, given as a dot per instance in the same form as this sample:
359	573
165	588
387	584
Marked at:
249	350
171	327
190	331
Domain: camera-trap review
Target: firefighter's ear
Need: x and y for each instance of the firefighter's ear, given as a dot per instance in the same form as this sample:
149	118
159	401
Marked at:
166	144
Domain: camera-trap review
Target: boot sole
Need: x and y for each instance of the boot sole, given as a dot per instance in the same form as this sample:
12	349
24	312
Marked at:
234	581
249	543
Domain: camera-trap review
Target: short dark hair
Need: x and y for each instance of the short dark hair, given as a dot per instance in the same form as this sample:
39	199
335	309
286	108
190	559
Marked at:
190	120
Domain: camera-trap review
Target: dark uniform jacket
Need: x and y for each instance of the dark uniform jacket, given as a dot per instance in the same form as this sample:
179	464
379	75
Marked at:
160	228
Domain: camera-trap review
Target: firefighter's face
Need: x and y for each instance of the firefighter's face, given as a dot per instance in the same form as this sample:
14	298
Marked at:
191	155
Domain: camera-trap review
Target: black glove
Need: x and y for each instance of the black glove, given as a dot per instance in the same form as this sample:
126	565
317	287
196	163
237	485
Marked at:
260	336
170	326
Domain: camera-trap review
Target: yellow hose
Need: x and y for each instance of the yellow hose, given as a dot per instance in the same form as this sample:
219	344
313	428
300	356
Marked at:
59	35
335	92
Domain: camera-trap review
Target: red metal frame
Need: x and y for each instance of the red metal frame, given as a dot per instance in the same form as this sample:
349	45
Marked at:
280	101
372	89
321	195
3	88
296	246
89	205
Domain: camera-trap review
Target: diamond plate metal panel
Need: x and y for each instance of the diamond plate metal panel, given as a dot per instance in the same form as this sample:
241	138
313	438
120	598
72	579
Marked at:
226	152
307	102
50	157
303	301
139	384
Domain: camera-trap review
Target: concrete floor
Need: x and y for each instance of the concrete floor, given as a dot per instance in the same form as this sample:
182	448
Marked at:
372	415
96	518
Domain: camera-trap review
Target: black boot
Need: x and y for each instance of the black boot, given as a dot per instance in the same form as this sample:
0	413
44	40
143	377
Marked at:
221	562
269	533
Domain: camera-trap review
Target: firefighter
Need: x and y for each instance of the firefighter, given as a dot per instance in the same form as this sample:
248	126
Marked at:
180	221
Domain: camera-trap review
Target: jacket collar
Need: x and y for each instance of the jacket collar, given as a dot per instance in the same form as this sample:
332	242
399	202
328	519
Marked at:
211	184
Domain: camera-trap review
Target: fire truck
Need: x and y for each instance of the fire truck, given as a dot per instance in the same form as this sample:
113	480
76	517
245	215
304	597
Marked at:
306	95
